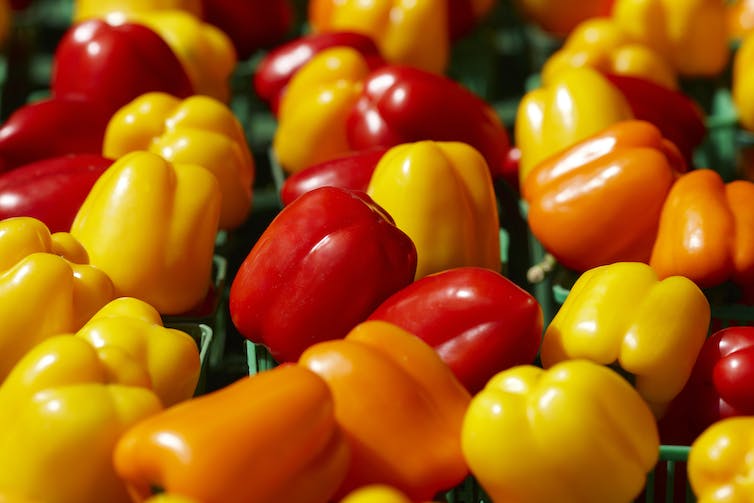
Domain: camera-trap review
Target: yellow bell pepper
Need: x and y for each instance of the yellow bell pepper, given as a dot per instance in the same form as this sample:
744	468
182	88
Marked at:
690	34
394	25
206	52
313	110
376	493
441	195
720	466
170	498
574	105
622	314
743	82
86	9
46	287
601	44
198	130
151	226
577	432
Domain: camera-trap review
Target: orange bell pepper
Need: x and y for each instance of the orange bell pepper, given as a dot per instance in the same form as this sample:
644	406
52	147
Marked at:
271	437
599	202
707	231
740	18
400	405
558	17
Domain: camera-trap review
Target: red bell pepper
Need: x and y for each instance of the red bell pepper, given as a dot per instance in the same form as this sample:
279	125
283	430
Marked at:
250	24
320	268
400	104
351	171
51	190
50	128
113	64
478	321
278	66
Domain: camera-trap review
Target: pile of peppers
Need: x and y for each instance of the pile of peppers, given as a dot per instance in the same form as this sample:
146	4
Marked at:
377	242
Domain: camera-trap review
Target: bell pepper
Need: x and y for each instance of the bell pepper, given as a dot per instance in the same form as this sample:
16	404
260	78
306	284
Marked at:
112	65
719	466
376	493
706	231
690	34
170	498
599	201
601	44
151	226
360	258
559	18
51	128
576	432
219	447
578	103
350	171
411	437
441	195
621	314
326	88
50	190
198	130
401	104
278	66
43	273
393	24
742	82
87	9
478	321
740	19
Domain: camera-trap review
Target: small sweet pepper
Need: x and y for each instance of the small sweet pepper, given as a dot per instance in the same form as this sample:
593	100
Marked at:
621	314
410	439
151	226
198	130
574	433
441	195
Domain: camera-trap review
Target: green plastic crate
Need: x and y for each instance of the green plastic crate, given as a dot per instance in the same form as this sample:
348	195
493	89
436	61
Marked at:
203	336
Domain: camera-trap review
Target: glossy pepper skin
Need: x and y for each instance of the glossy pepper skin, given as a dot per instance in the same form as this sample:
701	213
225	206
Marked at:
576	432
350	171
690	34
719	465
326	88
151	226
279	65
411	439
400	104
197	130
52	127
360	258
478	321
743	80
623	314
560	18
113	64
599	201
218	440
393	25
50	190
87	9
576	104
45	273
706	231
428	184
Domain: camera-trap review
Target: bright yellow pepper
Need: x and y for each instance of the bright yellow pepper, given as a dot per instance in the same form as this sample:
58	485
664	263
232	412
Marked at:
151	226
46	287
577	432
86	9
574	105
313	110
690	34
206	52
601	44
743	82
441	195
198	130
376	493
170	498
720	466
622	314
394	25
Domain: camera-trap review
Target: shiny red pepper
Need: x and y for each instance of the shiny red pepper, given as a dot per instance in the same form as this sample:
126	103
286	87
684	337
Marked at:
400	104
278	66
351	171
320	268
113	64
478	321
50	190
